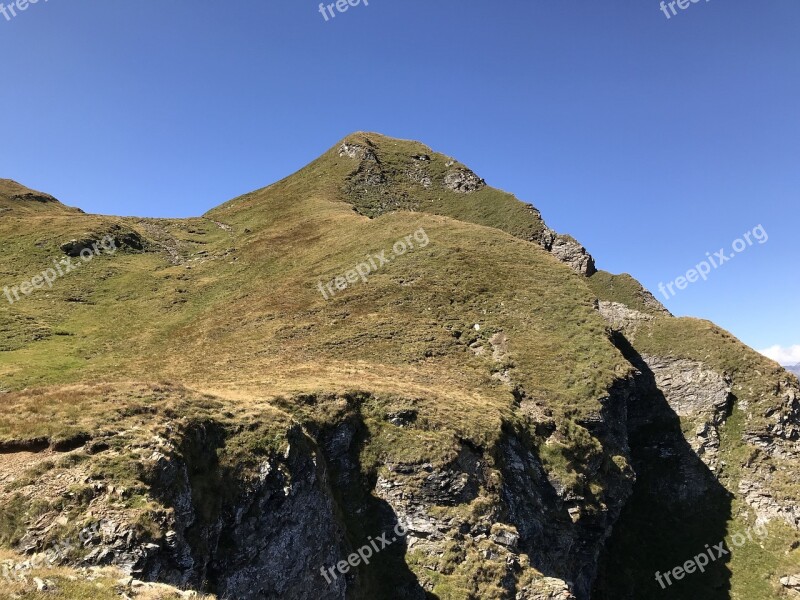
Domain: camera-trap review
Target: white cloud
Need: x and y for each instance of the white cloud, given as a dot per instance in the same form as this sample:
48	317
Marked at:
785	356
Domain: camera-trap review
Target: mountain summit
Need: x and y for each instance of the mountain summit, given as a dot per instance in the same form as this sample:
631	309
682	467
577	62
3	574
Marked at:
378	352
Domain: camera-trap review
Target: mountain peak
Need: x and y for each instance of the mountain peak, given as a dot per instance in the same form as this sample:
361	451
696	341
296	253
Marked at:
378	175
389	174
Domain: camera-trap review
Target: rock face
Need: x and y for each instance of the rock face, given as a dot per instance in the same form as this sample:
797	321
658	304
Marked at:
679	415
671	480
550	514
568	251
778	440
238	533
356	152
463	181
698	395
244	550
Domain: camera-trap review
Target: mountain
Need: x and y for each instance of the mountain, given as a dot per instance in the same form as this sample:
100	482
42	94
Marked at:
379	343
18	199
794	369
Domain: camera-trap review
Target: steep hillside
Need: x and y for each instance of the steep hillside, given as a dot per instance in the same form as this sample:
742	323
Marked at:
236	403
18	200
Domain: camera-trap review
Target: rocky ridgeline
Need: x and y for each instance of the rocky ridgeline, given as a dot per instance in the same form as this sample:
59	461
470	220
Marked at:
374	178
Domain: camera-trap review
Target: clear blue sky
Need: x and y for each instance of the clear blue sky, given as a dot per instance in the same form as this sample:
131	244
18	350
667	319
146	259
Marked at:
653	141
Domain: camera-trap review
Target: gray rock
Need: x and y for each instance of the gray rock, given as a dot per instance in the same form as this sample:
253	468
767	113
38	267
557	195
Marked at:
698	394
463	181
621	318
356	152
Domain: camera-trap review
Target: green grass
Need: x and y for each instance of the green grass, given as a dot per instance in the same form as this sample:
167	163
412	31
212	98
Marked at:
240	323
624	289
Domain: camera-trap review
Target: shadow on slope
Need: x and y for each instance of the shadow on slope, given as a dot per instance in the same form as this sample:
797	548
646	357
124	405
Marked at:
677	508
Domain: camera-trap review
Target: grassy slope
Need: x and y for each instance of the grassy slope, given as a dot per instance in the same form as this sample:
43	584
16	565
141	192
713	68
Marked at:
402	325
245	318
241	315
624	289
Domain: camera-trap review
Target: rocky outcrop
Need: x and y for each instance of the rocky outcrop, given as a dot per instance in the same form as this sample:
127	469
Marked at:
621	318
775	438
233	528
564	519
567	250
547	588
777	431
420	176
699	395
255	547
220	529
463	181
791	582
356	151
756	491
108	242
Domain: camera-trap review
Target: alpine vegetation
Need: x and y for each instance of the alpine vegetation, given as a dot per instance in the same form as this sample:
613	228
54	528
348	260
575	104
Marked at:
363	269
533	421
711	553
60	268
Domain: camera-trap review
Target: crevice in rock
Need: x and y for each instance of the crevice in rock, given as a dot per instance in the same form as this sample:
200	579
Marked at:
363	514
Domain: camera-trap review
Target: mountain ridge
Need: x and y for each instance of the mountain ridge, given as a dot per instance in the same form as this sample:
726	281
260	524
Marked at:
490	390
16	198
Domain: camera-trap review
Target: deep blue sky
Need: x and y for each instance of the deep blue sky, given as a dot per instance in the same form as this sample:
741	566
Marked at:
652	141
